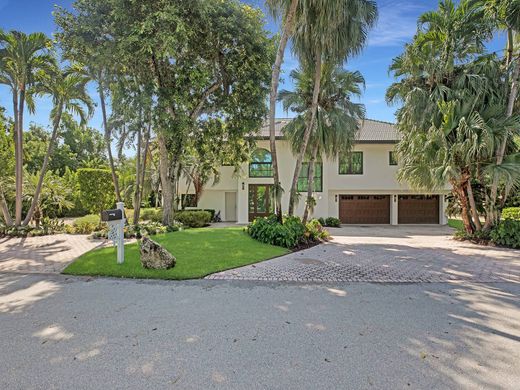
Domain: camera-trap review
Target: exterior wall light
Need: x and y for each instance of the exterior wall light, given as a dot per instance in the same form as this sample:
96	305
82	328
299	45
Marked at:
243	186
336	198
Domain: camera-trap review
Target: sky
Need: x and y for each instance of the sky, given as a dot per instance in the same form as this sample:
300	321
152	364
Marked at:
396	26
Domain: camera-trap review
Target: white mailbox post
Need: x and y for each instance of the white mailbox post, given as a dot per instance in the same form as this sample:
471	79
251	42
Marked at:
116	225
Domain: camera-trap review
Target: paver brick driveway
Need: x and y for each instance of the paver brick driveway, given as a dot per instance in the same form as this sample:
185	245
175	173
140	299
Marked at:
388	254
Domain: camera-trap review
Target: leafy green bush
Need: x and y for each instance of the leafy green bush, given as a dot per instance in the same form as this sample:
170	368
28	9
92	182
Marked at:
270	231
332	222
47	227
511	213
321	220
85	225
151	214
315	230
96	189
507	233
211	211
193	219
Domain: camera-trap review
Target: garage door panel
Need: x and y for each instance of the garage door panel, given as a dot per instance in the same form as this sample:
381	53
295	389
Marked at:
364	209
418	209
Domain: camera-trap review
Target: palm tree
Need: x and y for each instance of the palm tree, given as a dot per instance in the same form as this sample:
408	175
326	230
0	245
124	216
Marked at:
337	117
22	56
68	91
288	10
331	30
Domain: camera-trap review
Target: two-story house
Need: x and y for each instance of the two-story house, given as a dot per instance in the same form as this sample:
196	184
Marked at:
359	188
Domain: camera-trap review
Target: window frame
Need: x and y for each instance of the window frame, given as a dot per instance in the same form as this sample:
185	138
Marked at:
261	164
392	161
349	166
306	164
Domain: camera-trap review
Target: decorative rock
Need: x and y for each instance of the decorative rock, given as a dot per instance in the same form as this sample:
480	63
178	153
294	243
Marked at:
154	256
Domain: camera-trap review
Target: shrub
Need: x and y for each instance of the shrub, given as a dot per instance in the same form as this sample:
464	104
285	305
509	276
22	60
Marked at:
507	233
511	213
315	230
96	189
321	221
151	214
332	222
211	211
270	231
85	225
193	219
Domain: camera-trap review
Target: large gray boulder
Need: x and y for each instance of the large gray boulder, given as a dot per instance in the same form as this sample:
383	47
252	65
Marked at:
154	256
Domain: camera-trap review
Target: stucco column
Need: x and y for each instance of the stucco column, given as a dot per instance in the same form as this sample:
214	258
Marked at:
394	212
443	218
242	206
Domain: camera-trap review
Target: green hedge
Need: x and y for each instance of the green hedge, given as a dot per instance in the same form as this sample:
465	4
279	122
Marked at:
507	233
193	219
96	189
151	214
511	213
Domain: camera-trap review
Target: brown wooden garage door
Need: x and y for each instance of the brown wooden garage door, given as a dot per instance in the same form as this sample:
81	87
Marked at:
361	209
418	209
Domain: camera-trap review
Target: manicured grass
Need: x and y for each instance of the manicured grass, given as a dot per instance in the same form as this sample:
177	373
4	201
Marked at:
199	252
455	223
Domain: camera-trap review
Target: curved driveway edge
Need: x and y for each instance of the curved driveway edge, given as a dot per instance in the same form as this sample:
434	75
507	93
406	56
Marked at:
388	254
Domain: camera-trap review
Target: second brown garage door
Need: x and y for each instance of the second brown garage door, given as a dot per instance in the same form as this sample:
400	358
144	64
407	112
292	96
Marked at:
364	209
418	209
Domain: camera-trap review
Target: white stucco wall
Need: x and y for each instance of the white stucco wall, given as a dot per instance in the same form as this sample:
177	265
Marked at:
379	177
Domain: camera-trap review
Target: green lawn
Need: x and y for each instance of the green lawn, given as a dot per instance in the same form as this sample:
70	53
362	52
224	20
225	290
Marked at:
199	252
455	223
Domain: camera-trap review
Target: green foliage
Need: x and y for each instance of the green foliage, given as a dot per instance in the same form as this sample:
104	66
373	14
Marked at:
270	231
315	230
86	224
511	213
507	233
193	219
332	222
48	226
96	189
151	214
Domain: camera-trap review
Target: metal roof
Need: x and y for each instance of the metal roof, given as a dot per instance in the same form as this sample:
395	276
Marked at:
371	131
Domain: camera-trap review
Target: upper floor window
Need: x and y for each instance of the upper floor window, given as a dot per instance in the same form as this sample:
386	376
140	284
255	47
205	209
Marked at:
392	158
303	180
261	164
351	164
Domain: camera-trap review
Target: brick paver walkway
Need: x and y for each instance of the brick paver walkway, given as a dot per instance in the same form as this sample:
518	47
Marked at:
42	254
388	254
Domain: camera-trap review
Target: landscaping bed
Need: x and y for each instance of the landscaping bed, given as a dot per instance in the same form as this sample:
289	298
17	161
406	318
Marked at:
199	252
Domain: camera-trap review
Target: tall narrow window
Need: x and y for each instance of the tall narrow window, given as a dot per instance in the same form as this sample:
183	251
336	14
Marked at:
303	180
351	164
392	158
261	164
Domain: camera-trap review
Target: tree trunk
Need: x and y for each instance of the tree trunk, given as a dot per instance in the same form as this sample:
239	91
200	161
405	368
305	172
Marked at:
491	216
5	210
275	79
460	194
310	184
143	169
45	164
19	159
473	206
108	140
137	189
308	131
166	185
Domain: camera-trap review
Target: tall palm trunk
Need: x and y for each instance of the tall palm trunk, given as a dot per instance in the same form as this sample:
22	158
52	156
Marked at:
308	131
473	206
137	189
275	79
108	139
460	194
491	212
145	158
166	183
310	184
19	157
45	164
5	210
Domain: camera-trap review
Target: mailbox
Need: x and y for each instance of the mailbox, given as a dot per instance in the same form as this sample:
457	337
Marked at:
111	215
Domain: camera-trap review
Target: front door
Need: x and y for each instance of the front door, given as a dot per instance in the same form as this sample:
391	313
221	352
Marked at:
259	200
231	206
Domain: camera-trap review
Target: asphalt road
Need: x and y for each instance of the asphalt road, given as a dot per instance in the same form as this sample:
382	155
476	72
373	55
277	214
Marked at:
58	332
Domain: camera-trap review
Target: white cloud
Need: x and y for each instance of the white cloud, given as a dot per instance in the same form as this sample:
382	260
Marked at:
397	22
